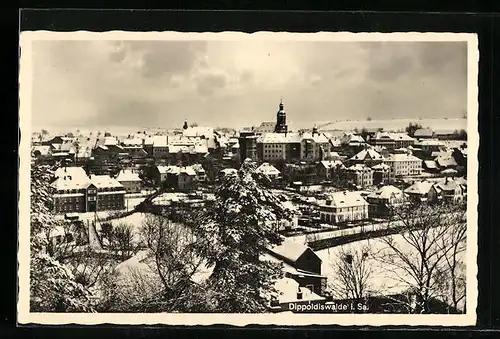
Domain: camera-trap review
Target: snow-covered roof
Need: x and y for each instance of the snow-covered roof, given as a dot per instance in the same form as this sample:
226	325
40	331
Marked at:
168	169
381	167
448	185
188	170
359	167
73	172
268	169
386	192
287	289
402	157
198	131
133	141
290	250
279	138
430	164
128	175
446	161
105	181
317	137
109	141
345	199
229	171
420	187
368	154
198	168
160	141
328	164
44	150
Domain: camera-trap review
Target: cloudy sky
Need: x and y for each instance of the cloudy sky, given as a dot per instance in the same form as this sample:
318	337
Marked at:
230	83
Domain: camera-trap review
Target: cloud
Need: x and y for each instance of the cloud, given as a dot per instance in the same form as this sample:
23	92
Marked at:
240	83
207	84
159	59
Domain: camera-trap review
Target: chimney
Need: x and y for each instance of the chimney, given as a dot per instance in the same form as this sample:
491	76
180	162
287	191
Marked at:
299	294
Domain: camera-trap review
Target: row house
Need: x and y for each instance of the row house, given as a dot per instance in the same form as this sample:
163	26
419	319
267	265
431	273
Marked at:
404	164
83	194
343	207
384	200
360	175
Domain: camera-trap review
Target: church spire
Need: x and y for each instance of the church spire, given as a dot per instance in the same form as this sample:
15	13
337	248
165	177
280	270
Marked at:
281	126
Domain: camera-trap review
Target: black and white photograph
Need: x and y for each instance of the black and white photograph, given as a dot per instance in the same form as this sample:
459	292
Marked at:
234	178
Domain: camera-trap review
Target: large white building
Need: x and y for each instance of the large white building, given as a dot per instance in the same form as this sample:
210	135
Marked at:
343	206
404	164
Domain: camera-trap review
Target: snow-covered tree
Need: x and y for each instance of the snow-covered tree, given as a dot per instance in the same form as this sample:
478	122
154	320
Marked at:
53	287
235	233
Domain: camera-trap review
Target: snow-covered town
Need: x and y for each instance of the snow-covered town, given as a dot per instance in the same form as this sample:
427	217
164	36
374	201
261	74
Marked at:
340	188
308	205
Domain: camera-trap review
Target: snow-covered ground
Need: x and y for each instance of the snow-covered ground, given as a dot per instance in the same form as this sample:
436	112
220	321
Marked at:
384	278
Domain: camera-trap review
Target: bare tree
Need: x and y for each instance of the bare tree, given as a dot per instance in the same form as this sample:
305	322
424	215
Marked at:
122	240
426	249
353	274
175	261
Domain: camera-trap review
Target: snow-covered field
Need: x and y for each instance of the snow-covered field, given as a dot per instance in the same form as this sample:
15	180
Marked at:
384	278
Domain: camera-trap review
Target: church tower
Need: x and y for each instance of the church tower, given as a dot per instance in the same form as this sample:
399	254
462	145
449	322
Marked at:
281	126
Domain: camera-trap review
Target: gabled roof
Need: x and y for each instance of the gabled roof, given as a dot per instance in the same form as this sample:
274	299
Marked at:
328	164
346	199
105	181
386	192
421	187
446	161
198	131
160	141
430	164
268	169
448	185
359	167
128	175
291	251
73	172
368	154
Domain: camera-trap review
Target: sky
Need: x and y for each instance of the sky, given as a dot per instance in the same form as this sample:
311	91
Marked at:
240	83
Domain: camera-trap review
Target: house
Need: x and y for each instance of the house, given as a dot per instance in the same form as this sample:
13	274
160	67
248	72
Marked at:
201	175
130	181
430	166
343	206
227	172
391	140
428	146
404	164
186	179
384	200
368	157
360	175
41	152
160	146
424	133
269	170
383	174
445	134
301	264
76	193
352	140
446	161
326	168
161	173
450	191
422	191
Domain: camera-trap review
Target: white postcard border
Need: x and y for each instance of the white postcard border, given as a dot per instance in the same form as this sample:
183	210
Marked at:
283	319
